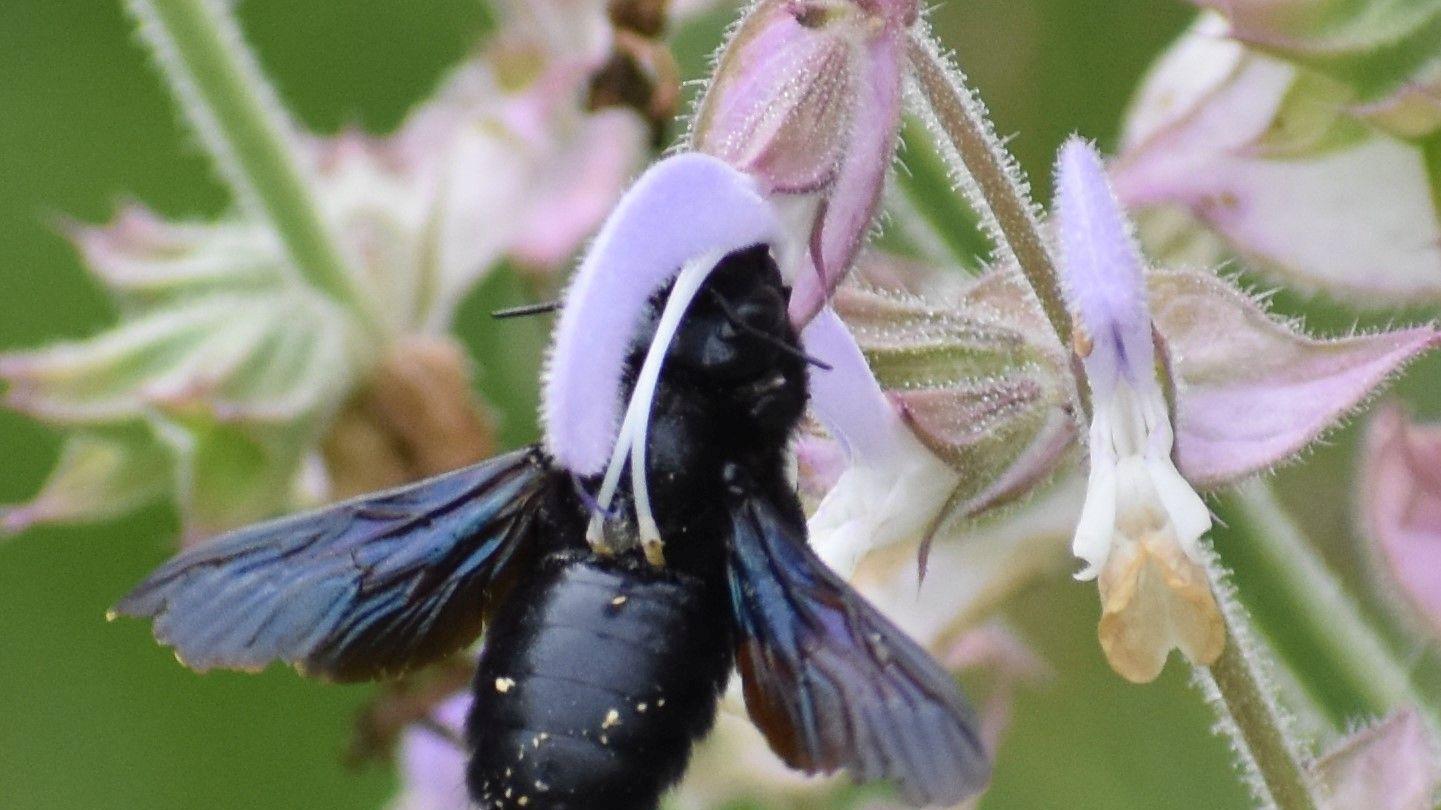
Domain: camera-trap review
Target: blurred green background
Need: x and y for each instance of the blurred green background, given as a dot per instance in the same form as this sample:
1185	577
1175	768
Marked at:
97	716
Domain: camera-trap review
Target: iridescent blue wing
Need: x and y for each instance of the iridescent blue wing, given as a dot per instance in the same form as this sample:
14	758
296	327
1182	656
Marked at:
828	679
364	589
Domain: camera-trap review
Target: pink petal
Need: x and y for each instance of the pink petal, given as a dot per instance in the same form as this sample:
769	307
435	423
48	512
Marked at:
781	103
578	186
1390	766
1401	504
851	205
682	208
1357	221
1254	391
807	99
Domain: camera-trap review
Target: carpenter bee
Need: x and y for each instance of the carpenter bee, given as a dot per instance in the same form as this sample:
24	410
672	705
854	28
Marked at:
614	610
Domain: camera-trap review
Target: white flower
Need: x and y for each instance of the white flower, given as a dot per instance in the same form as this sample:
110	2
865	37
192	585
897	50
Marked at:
1141	526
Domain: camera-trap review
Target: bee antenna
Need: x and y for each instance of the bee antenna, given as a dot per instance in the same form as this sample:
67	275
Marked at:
740	323
528	309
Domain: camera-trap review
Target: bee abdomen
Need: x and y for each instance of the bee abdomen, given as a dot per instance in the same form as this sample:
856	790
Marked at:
597	678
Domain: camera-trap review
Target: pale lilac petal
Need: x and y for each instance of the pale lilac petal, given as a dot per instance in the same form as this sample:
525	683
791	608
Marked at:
1102	272
893	486
432	768
1255	391
846	397
1390	766
1401	504
682	208
851	205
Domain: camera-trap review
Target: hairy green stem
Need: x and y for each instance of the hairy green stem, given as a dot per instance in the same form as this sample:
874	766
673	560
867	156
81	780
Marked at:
998	191
1241	693
1308	616
218	84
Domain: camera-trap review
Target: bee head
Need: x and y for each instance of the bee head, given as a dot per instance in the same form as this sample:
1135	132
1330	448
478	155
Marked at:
737	327
689	217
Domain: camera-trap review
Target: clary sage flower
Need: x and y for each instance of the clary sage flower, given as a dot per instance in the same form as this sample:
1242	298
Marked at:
240	391
968	410
1387	54
1391	765
1400	497
925	377
432	760
1258	130
807	100
1140	529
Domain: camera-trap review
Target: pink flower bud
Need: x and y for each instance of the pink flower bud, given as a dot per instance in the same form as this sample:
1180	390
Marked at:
807	100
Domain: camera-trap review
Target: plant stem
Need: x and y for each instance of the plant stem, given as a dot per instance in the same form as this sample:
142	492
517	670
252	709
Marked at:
218	84
1240	693
1309	617
997	188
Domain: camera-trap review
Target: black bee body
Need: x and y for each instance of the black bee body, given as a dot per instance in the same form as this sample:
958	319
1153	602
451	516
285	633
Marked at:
597	677
598	674
602	665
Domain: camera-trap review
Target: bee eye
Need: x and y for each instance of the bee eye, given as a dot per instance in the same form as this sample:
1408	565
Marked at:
763	312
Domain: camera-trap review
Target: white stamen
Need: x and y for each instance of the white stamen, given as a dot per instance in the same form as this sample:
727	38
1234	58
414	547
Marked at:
635	426
1132	474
